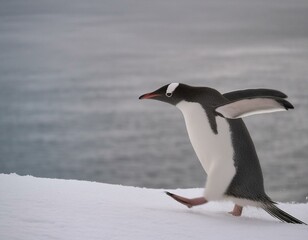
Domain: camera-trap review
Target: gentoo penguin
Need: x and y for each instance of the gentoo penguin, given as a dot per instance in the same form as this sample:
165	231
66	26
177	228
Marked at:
223	144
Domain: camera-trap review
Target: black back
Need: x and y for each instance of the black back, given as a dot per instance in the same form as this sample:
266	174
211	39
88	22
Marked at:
248	180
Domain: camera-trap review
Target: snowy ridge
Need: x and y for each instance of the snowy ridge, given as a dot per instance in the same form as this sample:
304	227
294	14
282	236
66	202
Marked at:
38	208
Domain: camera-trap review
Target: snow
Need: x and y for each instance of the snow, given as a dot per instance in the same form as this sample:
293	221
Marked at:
39	208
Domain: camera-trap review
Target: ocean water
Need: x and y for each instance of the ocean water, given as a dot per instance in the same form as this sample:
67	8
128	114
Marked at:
71	73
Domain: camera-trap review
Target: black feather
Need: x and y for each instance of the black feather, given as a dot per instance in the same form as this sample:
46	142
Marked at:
253	93
281	215
287	105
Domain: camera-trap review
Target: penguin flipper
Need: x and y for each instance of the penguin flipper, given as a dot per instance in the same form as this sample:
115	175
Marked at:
280	214
252	93
251	106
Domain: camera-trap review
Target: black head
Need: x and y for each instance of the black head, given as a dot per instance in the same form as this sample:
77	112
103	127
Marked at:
174	93
169	93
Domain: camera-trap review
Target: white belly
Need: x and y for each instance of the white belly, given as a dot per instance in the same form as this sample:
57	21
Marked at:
215	151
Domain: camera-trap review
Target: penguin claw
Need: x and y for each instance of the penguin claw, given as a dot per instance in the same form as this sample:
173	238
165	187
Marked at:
237	211
188	202
169	193
184	201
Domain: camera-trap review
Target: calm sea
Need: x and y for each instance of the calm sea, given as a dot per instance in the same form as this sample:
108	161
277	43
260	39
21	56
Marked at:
71	73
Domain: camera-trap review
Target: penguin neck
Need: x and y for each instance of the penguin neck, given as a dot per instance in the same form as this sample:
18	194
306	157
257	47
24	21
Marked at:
190	109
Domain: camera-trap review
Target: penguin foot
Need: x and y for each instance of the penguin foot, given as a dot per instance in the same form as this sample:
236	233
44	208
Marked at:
237	210
188	202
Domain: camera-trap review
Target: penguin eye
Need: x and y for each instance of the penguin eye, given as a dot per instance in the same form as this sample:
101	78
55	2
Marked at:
169	94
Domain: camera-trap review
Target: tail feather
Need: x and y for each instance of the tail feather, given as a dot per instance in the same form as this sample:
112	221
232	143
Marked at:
281	215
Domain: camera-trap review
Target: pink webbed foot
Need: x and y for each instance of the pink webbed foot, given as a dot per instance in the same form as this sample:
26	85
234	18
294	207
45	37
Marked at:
188	202
237	210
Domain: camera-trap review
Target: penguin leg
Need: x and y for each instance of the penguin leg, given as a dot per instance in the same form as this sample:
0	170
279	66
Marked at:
188	202
237	210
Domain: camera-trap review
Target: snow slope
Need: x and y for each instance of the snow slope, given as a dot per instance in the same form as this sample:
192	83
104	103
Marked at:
38	208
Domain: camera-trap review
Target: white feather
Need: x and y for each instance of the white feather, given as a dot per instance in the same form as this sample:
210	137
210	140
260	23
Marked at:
248	107
215	151
171	88
244	202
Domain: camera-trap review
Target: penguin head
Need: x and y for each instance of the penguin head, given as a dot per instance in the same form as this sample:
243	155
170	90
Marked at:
170	93
174	93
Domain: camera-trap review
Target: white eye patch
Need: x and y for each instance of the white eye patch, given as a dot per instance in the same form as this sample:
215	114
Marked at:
171	89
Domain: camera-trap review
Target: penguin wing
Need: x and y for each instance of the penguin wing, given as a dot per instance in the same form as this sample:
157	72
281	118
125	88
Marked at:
252	93
251	106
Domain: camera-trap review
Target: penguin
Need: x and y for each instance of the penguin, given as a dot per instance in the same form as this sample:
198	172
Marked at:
223	144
